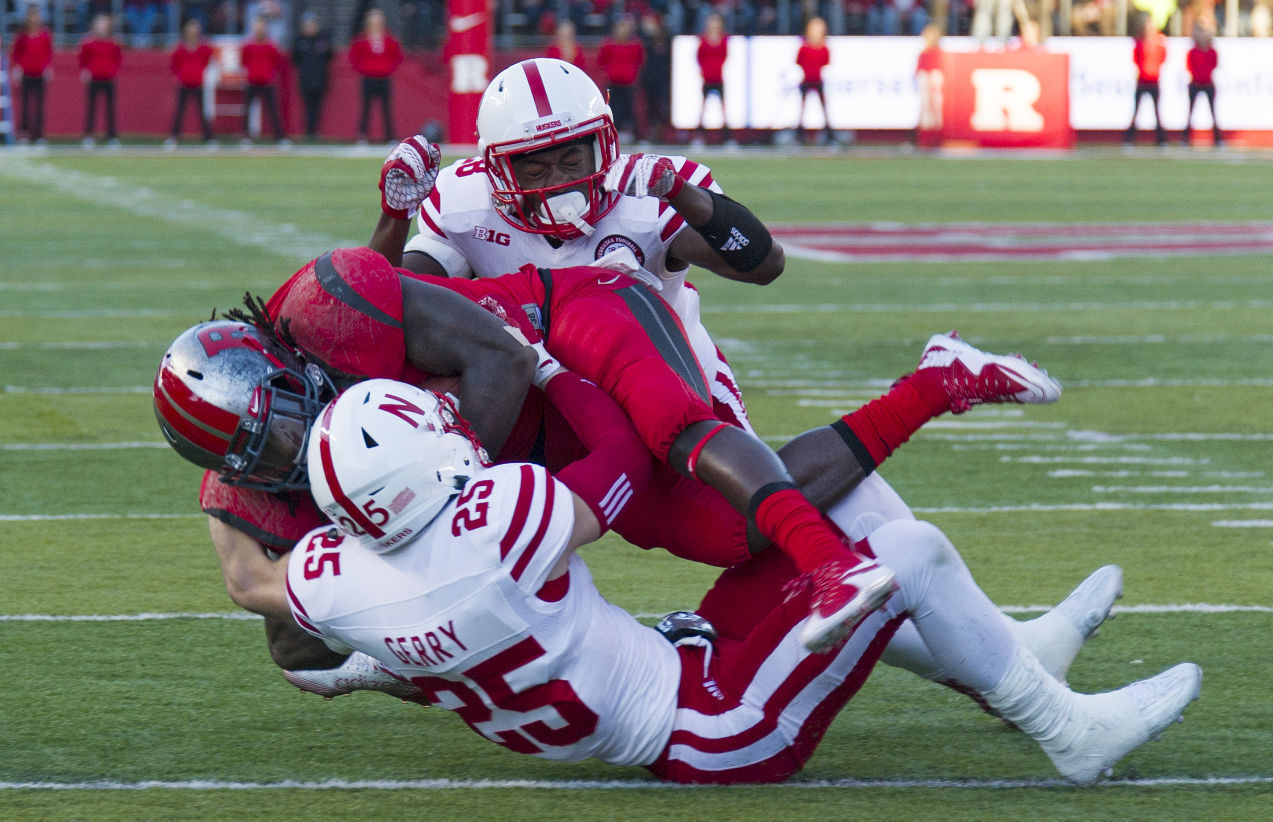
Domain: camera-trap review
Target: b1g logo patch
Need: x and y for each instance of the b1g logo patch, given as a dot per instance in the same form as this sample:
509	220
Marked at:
614	242
481	232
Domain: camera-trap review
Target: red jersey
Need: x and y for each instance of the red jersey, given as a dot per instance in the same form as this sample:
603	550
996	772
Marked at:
812	61
1149	53
372	57
344	310
554	51
101	58
33	52
621	62
711	60
261	60
1202	63
190	63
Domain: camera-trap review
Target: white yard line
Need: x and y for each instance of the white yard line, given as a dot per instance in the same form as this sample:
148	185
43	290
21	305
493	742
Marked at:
615	784
1147	608
239	228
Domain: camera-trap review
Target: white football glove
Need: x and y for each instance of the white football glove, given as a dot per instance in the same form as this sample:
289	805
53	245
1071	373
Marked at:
548	366
643	175
407	176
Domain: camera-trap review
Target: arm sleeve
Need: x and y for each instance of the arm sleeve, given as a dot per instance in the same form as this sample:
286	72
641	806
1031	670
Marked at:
617	462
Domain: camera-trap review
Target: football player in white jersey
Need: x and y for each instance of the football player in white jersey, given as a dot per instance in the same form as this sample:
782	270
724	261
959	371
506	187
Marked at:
550	188
463	580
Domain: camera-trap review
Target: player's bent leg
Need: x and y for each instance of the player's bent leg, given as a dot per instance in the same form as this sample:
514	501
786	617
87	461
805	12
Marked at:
755	711
868	506
1057	636
686	518
1082	734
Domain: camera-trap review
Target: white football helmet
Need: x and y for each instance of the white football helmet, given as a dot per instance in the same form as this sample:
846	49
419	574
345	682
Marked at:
386	457
539	104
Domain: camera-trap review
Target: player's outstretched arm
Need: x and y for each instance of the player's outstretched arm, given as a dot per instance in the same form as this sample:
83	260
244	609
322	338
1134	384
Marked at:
446	335
254	582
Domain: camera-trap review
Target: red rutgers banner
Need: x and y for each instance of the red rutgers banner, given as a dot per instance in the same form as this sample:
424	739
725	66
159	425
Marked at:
468	56
1012	99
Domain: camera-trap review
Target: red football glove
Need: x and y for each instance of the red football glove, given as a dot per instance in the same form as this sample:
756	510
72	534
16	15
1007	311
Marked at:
642	175
407	177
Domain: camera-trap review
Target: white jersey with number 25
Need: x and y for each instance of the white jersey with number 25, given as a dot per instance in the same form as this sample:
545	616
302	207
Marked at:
462	611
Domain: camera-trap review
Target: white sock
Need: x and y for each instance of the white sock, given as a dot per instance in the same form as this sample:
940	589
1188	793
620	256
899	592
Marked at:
1030	698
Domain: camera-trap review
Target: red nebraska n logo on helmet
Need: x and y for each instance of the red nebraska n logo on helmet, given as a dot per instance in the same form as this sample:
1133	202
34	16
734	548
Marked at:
401	409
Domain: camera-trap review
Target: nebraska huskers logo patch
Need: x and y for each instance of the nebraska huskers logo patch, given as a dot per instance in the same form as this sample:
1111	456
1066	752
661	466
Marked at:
614	242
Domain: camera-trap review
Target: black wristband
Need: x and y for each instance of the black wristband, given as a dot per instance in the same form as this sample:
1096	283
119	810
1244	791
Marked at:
735	234
859	450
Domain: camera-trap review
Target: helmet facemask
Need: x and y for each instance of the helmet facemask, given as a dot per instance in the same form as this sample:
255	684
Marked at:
267	450
565	210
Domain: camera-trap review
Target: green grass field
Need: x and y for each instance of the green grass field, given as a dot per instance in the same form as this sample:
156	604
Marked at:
132	690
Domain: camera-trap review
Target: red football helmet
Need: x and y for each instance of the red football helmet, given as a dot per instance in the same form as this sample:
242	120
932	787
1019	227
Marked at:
539	104
228	399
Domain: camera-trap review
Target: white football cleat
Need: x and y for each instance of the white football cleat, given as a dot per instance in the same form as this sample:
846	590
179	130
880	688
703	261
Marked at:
972	376
1057	637
842	596
359	672
1106	727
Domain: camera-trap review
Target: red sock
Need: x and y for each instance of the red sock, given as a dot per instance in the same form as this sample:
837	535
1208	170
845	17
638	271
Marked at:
884	423
792	523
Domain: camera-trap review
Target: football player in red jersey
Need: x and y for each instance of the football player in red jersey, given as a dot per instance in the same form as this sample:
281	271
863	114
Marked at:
346	311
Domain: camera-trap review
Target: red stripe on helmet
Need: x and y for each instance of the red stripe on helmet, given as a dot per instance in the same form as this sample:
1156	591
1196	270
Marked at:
198	433
333	484
179	394
537	90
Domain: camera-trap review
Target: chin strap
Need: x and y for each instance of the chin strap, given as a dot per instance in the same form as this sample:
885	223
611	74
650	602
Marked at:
569	207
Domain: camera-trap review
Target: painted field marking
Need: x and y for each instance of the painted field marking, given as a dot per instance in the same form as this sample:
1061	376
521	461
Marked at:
1019	242
78	446
849	307
617	784
71	517
238	227
1147	608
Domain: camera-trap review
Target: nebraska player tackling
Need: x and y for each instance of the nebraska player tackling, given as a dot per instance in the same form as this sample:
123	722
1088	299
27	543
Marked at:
463	580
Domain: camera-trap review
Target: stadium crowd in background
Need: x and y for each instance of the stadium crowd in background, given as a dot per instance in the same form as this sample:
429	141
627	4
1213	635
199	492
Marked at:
624	44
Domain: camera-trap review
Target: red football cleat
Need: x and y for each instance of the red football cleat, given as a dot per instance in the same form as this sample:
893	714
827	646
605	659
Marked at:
972	376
